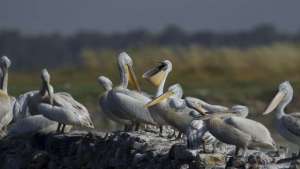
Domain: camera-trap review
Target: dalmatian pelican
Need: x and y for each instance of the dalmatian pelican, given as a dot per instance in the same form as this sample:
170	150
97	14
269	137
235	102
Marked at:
6	101
104	102
157	76
288	125
60	107
129	104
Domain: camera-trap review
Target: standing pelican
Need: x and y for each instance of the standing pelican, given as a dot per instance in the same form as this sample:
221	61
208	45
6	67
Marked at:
104	102
234	129
64	109
6	101
288	125
157	76
129	104
174	111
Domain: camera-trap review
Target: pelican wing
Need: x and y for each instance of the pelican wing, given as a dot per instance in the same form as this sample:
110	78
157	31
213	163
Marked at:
20	107
105	106
132	103
5	105
292	123
66	101
256	130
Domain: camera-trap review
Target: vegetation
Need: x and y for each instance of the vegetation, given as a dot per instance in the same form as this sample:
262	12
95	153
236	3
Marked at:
221	75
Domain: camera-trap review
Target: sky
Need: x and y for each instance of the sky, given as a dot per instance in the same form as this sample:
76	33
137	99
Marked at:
69	16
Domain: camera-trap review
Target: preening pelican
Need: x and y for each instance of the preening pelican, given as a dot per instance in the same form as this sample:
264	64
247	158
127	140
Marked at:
157	76
6	101
234	129
129	104
65	110
288	125
35	98
104	102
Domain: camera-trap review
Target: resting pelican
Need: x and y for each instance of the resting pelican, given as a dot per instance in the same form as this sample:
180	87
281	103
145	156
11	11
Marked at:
288	125
6	101
175	112
31	125
129	104
104	102
157	76
234	129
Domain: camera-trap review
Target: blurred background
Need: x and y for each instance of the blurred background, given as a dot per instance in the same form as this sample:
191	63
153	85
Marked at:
225	52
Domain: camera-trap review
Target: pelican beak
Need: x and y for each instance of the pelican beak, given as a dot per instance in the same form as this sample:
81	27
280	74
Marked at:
156	75
132	78
200	109
50	93
159	99
274	103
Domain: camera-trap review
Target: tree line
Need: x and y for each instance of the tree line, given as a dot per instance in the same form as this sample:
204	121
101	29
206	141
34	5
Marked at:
55	50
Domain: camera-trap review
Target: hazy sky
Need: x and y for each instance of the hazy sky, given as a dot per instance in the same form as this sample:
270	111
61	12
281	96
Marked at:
67	16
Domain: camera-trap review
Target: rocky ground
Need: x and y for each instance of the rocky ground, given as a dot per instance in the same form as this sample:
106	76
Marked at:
121	150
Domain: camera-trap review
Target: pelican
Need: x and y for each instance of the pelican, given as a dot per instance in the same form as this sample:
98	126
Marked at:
288	125
104	102
234	129
64	109
175	113
60	107
157	76
31	125
129	104
6	101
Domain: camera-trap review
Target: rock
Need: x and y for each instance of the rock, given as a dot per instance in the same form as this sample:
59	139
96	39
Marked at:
211	160
119	150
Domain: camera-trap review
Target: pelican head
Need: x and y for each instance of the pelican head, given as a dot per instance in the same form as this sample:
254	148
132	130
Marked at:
173	91
240	110
283	96
105	82
126	67
5	62
157	74
46	86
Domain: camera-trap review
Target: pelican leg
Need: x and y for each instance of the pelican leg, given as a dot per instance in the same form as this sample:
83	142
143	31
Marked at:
58	128
63	129
137	126
161	131
237	149
204	146
179	136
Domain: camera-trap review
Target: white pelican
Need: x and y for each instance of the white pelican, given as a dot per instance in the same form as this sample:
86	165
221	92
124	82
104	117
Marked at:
288	125
6	101
104	102
157	76
129	104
